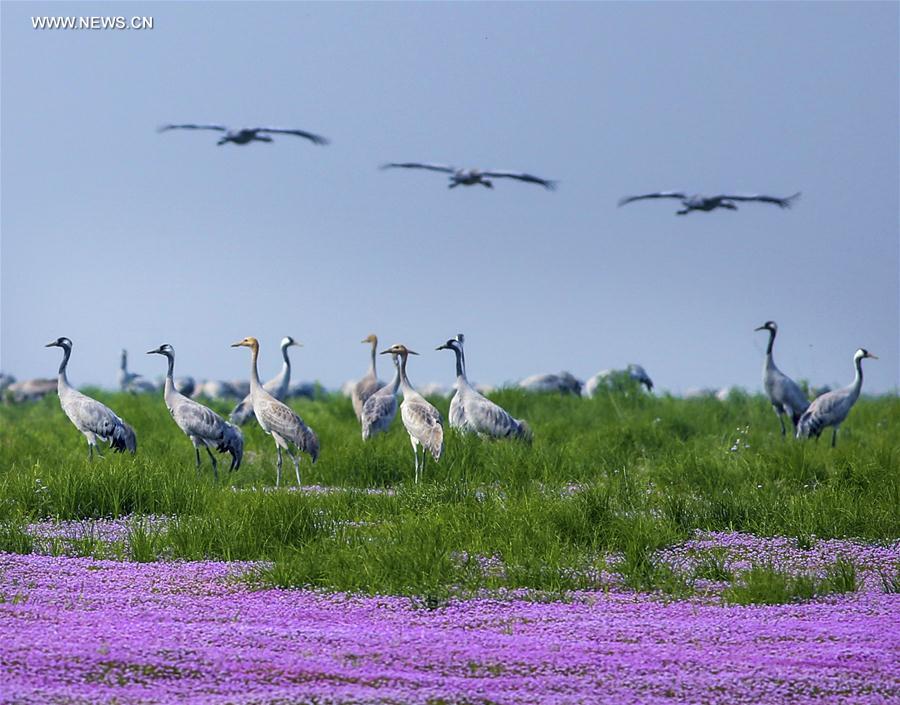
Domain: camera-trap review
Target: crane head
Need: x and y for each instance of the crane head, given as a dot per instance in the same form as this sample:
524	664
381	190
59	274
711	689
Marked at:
398	349
371	338
60	343
249	342
768	325
863	353
287	341
164	349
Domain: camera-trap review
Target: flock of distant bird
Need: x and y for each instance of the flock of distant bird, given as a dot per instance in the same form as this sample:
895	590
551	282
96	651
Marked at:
375	406
482	177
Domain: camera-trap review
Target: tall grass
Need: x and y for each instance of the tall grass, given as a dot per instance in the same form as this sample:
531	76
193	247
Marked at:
627	473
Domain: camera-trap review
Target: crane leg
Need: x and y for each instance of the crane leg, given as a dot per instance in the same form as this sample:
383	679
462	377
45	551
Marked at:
197	454
91	452
781	419
416	456
834	437
214	464
296	463
278	465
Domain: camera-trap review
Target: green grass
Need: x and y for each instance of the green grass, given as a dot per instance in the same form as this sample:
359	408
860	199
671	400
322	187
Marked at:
766	585
649	471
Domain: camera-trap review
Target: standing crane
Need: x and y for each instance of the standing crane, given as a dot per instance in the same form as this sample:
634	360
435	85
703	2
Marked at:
277	418
93	419
784	393
132	381
471	412
832	408
278	386
369	384
380	409
421	419
203	426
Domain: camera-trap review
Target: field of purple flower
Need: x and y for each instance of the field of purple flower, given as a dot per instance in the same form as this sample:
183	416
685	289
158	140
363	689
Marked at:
78	630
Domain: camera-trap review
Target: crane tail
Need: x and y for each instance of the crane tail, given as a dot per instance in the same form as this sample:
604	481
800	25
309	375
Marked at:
123	438
233	443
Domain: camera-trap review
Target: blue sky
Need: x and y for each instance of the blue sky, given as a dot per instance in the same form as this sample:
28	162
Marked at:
117	236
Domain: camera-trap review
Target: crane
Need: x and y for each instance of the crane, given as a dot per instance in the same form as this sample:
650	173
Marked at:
380	409
278	386
784	393
832	408
421	419
369	384
470	177
93	419
277	418
203	426
472	412
246	135
131	381
710	203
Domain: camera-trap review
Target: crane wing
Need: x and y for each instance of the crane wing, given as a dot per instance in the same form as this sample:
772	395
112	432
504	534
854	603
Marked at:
423	422
530	178
659	194
315	139
192	126
420	165
197	420
781	202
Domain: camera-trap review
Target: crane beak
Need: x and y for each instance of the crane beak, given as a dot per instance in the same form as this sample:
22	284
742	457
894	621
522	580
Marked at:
51	345
760	328
238	344
874	357
383	352
412	352
441	347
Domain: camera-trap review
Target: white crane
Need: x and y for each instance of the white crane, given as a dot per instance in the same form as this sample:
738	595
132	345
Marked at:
470	177
278	419
131	381
369	384
203	426
710	203
832	408
278	386
471	412
93	419
421	419
246	135
379	410
784	393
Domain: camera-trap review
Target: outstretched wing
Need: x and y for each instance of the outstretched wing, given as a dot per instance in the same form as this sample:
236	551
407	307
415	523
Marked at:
658	194
315	139
192	126
530	178
420	165
781	202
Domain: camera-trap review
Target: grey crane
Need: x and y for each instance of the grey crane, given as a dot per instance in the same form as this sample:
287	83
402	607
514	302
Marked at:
470	177
618	380
93	419
710	203
246	135
369	384
564	382
421	419
278	386
784	393
379	410
203	426
277	418
131	381
832	408
472	412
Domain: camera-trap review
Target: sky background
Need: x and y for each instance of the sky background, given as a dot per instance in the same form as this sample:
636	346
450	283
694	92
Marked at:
117	236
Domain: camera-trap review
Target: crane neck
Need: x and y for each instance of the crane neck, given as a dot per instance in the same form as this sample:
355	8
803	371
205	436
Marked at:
170	374
395	383
771	342
286	365
460	363
254	372
856	386
372	371
404	380
62	366
124	364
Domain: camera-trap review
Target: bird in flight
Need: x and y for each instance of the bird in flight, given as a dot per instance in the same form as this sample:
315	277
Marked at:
246	135
710	203
470	177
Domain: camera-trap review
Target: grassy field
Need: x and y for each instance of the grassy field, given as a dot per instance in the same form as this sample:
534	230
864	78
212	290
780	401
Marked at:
623	474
